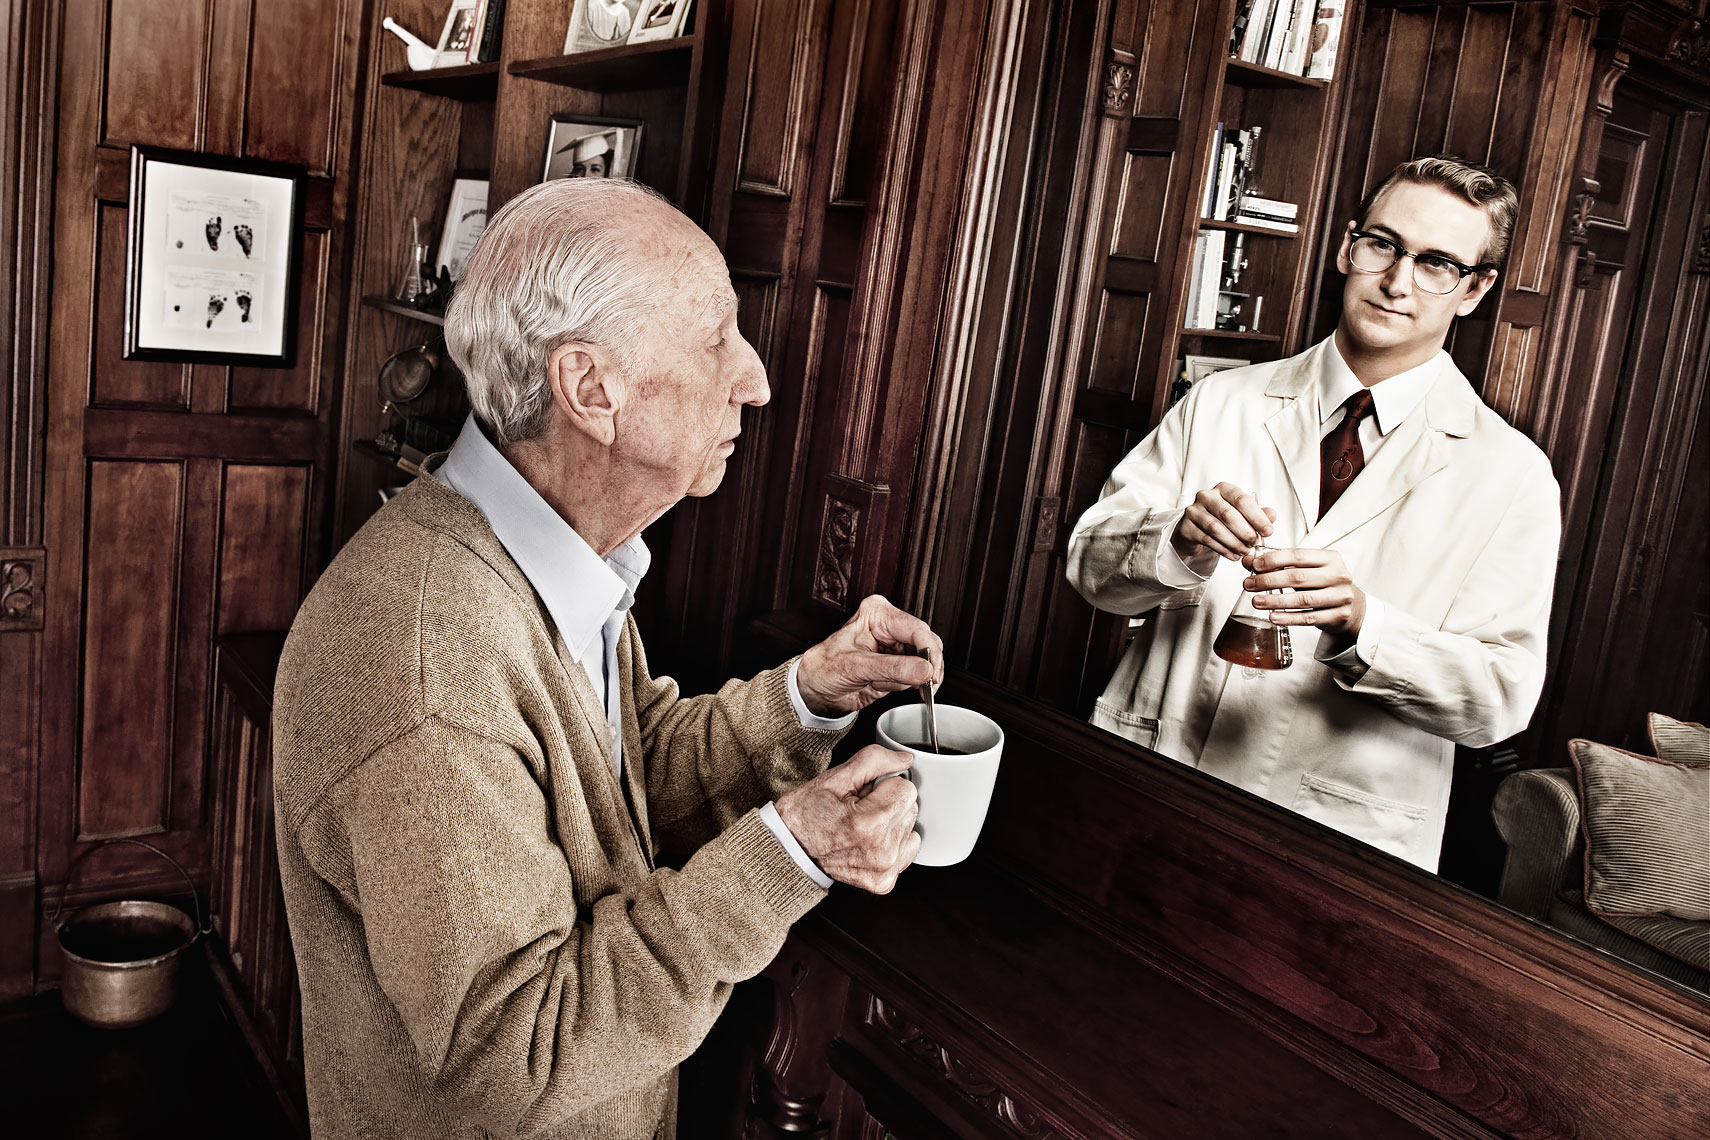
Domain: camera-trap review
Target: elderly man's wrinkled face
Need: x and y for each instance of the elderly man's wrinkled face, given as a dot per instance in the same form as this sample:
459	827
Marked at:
694	379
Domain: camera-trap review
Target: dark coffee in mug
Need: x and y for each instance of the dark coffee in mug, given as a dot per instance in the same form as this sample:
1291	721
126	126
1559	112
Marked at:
942	750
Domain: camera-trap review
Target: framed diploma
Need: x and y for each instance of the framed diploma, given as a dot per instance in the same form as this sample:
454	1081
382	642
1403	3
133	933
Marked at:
211	259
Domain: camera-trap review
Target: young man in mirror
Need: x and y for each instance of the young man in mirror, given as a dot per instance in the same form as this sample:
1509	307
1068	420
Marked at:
1409	539
474	770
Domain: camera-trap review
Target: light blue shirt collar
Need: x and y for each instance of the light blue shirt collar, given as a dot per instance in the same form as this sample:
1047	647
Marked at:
1392	399
580	590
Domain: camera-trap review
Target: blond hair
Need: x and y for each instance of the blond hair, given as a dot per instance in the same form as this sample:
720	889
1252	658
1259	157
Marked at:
1473	183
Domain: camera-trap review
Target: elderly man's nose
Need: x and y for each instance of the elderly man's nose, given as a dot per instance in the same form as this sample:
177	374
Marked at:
753	388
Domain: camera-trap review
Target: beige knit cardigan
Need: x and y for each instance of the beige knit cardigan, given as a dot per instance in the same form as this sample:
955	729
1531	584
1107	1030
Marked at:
484	942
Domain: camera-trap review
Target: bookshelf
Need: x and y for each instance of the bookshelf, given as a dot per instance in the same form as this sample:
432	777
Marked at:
490	120
1286	165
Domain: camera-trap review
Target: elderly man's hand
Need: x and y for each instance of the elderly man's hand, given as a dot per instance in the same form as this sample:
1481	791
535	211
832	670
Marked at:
873	654
858	831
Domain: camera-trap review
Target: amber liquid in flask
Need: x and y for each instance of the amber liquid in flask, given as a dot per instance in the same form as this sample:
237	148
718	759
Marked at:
1250	639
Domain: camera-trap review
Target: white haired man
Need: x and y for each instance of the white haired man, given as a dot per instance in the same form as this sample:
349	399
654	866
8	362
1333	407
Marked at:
1418	601
474	769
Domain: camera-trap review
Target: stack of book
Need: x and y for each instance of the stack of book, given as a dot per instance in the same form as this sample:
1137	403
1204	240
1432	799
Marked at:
1268	213
1300	37
1205	280
1231	164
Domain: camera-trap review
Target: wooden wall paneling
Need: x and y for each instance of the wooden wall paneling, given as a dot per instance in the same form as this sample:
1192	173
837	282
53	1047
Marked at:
134	454
261	547
292	112
1118	378
154	87
136	519
28	52
758	214
1654	181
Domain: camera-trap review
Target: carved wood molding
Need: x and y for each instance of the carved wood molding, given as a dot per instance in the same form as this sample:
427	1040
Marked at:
1702	263
1692	49
968	1080
21	588
1579	218
842	564
1118	88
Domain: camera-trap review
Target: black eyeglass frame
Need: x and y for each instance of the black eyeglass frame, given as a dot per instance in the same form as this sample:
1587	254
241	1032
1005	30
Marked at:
1402	251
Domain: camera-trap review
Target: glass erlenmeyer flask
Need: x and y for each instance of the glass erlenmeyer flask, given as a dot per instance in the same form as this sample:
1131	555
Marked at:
1249	638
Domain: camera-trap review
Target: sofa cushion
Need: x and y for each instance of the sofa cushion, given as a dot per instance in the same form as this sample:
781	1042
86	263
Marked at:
1679	741
1647	833
1688	941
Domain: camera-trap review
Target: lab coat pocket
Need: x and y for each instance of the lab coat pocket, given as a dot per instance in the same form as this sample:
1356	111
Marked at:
1142	730
1389	825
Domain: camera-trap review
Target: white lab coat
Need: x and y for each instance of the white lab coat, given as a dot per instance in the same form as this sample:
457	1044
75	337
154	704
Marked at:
1454	524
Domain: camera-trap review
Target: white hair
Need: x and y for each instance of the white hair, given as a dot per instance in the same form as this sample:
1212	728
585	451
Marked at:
554	266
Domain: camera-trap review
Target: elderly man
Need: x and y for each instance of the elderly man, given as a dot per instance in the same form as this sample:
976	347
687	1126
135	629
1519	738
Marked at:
474	768
1414	531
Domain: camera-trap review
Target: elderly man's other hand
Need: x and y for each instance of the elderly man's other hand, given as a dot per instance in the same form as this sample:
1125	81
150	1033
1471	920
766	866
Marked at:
858	831
873	654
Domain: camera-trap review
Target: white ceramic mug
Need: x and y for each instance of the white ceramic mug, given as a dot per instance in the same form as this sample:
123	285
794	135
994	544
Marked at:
955	791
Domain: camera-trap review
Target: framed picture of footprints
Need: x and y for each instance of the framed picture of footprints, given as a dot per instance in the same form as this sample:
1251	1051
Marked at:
211	259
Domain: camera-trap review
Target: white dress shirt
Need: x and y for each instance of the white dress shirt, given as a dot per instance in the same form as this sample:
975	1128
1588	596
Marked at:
587	596
1393	399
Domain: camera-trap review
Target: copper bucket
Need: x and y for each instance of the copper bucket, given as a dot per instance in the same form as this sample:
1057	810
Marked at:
122	958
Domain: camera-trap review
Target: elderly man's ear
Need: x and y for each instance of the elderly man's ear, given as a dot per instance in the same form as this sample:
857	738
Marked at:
587	389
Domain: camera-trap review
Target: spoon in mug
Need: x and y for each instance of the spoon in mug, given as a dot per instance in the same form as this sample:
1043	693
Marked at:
926	695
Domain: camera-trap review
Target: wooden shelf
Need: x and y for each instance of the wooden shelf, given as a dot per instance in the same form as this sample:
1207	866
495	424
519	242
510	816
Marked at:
1241	228
1219	334
1243	74
403	309
632	67
472	81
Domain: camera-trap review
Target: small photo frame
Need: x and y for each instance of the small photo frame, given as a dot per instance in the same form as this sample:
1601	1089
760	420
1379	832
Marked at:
659	20
457	37
583	146
211	259
596	24
1197	368
465	222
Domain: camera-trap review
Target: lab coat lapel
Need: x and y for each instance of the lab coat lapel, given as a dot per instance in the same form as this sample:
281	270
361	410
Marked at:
1293	429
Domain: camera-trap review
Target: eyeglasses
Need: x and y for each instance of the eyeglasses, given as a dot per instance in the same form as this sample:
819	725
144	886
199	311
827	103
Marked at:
1432	272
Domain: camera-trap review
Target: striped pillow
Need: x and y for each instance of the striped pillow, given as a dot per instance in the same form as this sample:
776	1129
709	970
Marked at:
1647	832
1679	741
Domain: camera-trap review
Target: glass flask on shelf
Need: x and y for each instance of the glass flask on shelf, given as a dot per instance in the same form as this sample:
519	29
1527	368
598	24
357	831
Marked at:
1250	639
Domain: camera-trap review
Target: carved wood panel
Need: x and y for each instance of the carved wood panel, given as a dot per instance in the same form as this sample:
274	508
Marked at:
150	541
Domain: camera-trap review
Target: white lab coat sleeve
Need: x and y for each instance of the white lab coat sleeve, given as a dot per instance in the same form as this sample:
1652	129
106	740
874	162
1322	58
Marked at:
1476	680
1120	557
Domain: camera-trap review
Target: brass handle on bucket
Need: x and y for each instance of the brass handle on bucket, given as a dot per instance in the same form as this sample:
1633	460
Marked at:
71	875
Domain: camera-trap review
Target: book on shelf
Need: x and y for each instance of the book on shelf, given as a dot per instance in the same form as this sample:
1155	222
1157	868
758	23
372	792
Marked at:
1227	172
1259	221
1205	280
1269	207
1299	37
489	28
1326	39
1208	199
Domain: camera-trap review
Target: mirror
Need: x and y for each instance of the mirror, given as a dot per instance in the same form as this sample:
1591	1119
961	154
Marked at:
1618	394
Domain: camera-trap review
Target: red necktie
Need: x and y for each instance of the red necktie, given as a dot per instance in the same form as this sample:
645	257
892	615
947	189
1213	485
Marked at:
1340	456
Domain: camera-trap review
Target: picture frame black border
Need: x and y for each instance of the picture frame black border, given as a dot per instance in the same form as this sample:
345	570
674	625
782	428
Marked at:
141	156
640	126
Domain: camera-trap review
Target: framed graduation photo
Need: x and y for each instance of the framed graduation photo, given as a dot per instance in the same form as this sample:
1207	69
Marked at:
211	259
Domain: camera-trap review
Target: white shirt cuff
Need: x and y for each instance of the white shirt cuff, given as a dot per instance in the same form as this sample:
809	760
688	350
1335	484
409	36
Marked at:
769	813
1370	629
808	719
1174	572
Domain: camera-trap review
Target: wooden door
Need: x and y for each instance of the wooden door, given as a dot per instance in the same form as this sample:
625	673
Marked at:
1630	439
181	501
